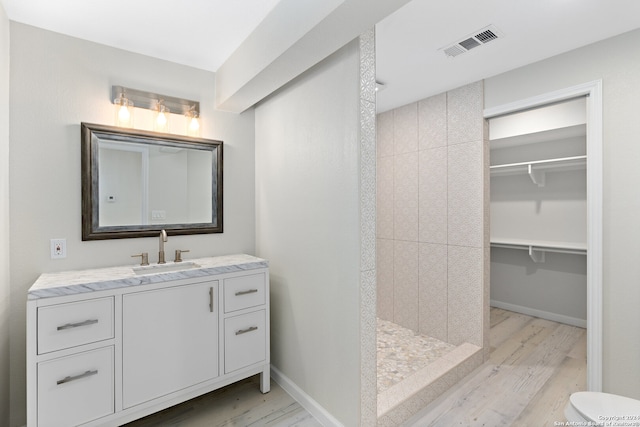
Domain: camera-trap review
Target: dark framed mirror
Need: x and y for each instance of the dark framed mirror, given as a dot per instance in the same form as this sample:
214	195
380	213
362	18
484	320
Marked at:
136	183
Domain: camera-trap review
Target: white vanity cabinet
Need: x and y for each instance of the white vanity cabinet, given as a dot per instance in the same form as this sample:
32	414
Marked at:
119	346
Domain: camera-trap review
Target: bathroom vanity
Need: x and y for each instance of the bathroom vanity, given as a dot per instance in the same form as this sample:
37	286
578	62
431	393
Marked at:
108	346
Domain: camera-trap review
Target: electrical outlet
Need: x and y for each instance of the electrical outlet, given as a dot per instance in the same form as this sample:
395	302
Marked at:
58	248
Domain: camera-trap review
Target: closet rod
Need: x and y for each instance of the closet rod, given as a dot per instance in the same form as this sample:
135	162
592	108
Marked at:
540	248
549	162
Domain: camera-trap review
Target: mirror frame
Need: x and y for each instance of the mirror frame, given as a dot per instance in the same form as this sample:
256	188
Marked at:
91	229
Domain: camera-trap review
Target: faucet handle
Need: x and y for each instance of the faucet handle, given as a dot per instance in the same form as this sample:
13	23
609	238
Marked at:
179	253
144	258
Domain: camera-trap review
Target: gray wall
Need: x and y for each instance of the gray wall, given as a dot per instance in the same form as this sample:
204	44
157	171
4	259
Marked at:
617	62
4	218
307	226
57	82
555	289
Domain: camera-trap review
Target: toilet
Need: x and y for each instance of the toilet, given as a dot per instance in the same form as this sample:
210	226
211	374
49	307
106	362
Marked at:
594	408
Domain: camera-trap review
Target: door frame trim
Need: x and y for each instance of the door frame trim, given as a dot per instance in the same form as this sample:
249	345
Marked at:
593	92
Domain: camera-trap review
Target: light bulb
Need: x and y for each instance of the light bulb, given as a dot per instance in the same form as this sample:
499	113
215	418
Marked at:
123	114
124	111
161	122
194	127
193	122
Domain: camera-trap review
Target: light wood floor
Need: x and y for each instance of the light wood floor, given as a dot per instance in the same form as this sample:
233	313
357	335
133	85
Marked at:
534	366
239	405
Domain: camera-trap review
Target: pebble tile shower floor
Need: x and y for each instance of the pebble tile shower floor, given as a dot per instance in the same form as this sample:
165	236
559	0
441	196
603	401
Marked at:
402	352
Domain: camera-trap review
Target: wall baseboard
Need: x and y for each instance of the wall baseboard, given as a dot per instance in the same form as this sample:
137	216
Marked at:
561	318
314	408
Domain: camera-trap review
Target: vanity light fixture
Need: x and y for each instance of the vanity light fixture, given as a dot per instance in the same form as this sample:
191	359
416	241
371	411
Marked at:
193	122
123	111
161	117
162	105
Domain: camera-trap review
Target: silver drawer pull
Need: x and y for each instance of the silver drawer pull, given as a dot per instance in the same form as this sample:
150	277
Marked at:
244	331
75	325
211	299
250	291
77	377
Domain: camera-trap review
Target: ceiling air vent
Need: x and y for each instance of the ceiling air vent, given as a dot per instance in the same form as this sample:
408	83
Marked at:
454	50
486	36
473	40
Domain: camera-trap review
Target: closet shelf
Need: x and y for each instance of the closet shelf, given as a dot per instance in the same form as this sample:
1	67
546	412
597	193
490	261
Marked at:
537	168
538	248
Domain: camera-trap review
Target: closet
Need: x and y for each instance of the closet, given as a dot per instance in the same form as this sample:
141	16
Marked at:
539	212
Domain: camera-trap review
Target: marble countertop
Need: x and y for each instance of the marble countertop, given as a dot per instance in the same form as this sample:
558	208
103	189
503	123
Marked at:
63	283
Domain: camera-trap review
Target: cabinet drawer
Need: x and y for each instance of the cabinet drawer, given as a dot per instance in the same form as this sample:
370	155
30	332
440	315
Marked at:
76	389
72	324
244	292
244	340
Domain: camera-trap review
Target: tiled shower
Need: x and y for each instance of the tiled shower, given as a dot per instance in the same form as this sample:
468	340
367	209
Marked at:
432	229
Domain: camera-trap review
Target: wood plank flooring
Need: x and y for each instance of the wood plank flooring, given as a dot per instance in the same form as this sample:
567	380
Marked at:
534	366
240	404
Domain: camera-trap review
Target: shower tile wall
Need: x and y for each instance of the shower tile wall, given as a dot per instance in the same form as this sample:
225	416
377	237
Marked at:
432	199
368	321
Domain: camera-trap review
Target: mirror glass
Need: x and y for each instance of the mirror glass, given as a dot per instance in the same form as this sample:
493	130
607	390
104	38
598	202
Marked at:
136	183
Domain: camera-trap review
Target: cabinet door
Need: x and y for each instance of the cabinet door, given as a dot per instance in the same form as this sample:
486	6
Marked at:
169	340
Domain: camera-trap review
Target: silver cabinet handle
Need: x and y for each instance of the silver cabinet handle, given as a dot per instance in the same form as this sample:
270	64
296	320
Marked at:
250	291
75	325
211	299
77	377
244	331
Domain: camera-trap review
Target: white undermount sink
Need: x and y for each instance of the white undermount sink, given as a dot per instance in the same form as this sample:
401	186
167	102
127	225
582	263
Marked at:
165	268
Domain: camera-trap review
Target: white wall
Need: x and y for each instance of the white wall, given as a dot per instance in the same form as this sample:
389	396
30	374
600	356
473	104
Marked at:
199	185
617	62
120	179
4	218
167	189
308	227
57	82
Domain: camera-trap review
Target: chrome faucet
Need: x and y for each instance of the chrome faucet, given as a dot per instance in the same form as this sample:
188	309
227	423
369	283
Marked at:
163	238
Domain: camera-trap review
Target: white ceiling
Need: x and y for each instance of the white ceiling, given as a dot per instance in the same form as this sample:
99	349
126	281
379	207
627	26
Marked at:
199	33
411	65
204	33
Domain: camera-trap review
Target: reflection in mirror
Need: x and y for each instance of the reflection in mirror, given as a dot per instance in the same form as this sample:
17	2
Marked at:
142	184
136	183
